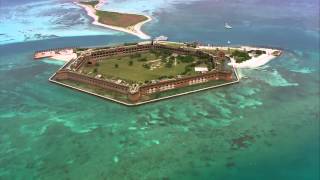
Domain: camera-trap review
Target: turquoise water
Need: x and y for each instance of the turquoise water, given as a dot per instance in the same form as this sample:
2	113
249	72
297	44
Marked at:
266	127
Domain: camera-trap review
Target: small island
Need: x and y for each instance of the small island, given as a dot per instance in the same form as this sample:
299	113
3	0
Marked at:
143	72
124	22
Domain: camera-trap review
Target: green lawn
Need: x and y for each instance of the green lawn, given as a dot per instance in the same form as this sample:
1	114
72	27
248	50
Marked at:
119	19
136	72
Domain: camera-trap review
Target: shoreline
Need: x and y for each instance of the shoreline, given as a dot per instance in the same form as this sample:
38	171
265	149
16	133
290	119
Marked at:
133	30
252	63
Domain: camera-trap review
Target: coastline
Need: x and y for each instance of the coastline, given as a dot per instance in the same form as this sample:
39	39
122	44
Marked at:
252	63
255	61
134	30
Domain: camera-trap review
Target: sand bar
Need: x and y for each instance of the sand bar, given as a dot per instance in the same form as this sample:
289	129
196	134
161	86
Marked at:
134	30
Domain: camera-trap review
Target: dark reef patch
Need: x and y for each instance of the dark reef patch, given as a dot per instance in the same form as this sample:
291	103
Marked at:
242	142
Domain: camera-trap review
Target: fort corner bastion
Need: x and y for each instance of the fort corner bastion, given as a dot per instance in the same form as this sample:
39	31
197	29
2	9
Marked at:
110	72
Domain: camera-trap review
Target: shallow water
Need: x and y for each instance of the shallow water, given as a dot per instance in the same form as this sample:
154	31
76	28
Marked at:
266	127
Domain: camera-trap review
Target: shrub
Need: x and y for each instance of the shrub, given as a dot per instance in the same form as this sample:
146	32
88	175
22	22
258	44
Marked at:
163	59
147	66
169	63
185	59
240	56
142	59
130	63
116	65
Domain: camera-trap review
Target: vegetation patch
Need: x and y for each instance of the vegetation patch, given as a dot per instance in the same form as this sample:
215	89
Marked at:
240	56
91	3
119	19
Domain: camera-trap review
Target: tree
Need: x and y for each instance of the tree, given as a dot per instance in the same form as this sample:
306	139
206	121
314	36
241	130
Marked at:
116	65
169	63
95	70
185	59
130	63
163	59
240	56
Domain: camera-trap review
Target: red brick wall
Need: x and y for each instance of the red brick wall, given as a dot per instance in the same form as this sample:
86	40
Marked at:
163	86
92	81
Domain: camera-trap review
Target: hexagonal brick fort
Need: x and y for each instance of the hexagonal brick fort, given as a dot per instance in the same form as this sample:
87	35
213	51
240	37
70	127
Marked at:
136	93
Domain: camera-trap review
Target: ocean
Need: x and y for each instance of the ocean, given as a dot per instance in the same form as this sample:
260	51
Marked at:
265	127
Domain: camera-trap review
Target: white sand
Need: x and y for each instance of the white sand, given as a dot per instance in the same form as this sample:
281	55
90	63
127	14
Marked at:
251	63
134	30
64	55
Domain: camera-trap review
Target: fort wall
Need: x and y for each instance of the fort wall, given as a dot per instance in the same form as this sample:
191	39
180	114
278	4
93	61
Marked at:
67	75
182	82
98	55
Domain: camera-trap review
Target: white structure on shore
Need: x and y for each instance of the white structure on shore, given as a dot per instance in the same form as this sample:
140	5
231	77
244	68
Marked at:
201	69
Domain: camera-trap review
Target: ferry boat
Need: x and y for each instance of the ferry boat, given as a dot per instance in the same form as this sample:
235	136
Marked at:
227	26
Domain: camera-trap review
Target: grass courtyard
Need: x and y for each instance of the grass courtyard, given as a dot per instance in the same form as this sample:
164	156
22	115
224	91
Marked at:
142	67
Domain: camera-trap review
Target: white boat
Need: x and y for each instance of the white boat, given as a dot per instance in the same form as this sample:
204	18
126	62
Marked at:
227	26
229	42
161	38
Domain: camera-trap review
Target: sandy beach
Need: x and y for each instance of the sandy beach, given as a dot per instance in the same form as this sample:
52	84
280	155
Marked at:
134	30
64	57
251	63
61	55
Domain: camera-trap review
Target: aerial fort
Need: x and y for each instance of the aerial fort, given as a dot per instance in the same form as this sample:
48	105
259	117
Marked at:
138	73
